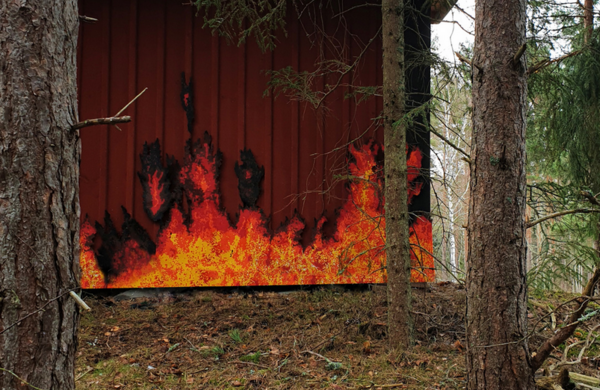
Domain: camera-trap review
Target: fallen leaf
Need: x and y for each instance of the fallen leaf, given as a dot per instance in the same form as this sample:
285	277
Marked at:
367	347
458	345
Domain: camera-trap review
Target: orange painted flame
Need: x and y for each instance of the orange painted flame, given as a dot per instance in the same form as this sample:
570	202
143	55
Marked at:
413	164
209	251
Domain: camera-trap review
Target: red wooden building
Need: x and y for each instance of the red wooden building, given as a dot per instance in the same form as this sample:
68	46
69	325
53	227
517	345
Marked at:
304	150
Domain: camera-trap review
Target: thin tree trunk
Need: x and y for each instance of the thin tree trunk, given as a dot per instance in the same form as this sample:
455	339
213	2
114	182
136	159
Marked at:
39	192
497	352
396	197
588	19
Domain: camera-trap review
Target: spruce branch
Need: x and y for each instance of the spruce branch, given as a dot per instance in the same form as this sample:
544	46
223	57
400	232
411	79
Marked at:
547	62
560	214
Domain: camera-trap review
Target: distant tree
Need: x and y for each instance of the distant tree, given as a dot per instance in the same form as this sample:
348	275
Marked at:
39	193
451	124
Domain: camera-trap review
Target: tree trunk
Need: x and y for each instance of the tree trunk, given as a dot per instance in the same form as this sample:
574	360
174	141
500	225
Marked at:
39	193
396	197
497	352
588	20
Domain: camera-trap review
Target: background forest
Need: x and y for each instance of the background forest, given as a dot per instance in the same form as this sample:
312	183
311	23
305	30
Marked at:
562	145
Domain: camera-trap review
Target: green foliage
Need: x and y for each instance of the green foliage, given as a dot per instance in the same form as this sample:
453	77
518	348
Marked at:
252	357
564	127
215	351
562	248
239	19
235	336
563	139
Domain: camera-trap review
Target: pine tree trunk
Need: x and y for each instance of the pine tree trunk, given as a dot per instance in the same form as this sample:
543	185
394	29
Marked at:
39	192
396	197
588	19
497	352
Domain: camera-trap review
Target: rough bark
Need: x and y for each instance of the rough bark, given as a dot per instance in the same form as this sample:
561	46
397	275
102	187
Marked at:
39	192
588	19
396	197
497	351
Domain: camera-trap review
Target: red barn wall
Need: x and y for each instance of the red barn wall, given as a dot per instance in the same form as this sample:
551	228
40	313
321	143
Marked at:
139	44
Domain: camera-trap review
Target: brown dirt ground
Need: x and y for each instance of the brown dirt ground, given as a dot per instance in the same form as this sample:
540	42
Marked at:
322	338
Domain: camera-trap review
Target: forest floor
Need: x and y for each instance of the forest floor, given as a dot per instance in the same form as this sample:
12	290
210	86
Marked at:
320	338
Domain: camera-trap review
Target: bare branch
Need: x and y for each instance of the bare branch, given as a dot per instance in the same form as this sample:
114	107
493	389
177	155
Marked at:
519	53
587	343
132	100
560	214
452	145
87	19
464	59
590	197
101	121
547	62
564	333
464	12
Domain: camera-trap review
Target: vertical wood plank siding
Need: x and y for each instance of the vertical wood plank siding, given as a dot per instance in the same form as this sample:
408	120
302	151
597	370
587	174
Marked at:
138	44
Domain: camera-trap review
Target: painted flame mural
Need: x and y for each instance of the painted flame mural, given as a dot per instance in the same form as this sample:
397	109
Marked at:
197	245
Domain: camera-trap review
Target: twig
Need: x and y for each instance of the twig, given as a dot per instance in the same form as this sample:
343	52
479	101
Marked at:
87	19
36	311
79	301
327	339
560	214
544	63
19	378
251	364
113	120
319	355
348	69
464	59
193	346
132	100
388	386
590	197
588	343
464	12
84	373
588	380
519	54
447	141
101	121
